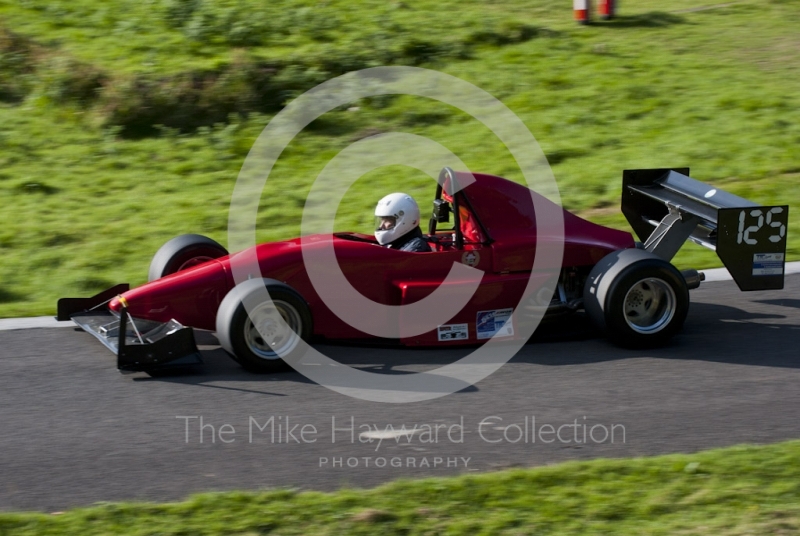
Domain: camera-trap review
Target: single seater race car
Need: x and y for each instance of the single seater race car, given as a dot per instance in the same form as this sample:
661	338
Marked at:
628	288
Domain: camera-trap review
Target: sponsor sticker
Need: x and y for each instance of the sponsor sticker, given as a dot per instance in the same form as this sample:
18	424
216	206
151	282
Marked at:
768	263
453	332
471	258
491	323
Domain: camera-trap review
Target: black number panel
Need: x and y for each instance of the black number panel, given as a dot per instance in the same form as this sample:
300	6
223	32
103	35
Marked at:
751	241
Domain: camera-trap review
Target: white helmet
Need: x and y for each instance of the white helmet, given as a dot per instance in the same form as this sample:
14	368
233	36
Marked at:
395	215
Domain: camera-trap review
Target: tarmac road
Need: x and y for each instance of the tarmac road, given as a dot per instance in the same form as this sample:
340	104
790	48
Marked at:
73	431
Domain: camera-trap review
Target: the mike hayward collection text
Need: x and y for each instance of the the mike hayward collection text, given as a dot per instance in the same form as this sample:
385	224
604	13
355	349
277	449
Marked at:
284	429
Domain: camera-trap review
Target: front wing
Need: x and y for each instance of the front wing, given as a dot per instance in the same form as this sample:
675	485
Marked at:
140	345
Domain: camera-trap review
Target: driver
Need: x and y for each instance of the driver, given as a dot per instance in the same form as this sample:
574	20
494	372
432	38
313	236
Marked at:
397	224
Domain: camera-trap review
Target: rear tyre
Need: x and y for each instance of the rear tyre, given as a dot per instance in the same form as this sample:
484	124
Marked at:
637	298
259	341
182	252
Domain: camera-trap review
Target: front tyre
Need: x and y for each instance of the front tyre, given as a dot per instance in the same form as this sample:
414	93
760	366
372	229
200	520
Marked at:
183	252
639	299
273	330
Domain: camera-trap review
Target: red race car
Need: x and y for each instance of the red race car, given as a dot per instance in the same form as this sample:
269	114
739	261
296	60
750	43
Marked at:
629	289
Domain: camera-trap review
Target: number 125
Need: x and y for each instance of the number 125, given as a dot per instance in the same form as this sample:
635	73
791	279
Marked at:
744	234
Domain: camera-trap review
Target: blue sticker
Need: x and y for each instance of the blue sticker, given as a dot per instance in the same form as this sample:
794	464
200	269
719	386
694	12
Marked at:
768	264
498	323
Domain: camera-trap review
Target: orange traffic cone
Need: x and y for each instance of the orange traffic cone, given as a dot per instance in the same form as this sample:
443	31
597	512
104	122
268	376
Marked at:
581	8
606	9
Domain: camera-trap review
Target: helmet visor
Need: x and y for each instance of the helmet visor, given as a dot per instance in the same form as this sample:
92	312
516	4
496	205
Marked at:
385	223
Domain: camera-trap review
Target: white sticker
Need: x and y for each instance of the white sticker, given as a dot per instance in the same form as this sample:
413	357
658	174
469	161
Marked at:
453	332
768	263
494	323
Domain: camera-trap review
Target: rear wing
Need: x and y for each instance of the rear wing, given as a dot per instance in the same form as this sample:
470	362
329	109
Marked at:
665	207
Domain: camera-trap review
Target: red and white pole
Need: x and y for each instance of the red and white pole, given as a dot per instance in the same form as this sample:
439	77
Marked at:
581	9
607	9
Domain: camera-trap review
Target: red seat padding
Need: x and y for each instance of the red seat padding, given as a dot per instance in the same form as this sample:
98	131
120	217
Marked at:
469	227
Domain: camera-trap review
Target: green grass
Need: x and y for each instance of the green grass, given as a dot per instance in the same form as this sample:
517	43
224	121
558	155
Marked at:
88	198
726	492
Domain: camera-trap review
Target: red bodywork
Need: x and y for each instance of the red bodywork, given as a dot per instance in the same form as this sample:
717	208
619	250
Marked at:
499	228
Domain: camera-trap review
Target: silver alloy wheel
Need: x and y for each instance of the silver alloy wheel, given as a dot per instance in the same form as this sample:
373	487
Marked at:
264	334
649	305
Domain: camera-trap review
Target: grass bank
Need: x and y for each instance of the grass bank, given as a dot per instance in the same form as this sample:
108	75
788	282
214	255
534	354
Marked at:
87	199
727	492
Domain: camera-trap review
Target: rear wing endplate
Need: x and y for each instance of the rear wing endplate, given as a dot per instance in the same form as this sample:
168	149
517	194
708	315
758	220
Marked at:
666	207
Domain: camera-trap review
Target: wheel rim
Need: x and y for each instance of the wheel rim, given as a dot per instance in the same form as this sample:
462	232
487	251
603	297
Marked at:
266	336
650	305
194	261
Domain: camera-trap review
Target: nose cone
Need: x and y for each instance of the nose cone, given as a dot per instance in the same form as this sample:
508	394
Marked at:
117	303
191	297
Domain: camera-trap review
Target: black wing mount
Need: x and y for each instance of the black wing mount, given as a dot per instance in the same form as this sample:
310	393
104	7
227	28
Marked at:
666	207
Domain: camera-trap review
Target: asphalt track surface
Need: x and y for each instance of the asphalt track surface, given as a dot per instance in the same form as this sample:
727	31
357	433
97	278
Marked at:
73	431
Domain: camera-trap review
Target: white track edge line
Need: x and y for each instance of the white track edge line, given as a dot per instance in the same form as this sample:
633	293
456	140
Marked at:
7	324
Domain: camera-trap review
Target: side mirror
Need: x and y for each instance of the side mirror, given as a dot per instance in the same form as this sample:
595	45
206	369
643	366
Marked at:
441	211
